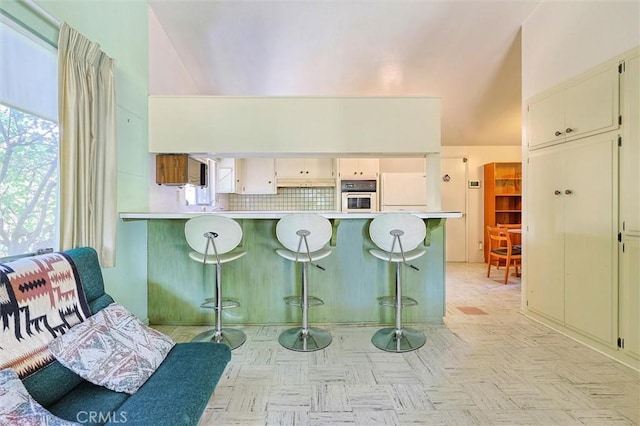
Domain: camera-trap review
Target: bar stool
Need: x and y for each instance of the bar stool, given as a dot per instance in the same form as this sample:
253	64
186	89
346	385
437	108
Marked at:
304	237
213	238
398	237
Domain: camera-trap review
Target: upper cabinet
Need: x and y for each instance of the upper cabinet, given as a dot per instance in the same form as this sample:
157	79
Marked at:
304	168
226	171
180	169
584	107
358	168
246	176
257	176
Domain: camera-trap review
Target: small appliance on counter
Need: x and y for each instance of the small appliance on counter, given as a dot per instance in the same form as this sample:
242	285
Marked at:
359	196
403	192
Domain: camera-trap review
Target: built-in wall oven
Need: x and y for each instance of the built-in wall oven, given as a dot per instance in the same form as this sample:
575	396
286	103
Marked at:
359	196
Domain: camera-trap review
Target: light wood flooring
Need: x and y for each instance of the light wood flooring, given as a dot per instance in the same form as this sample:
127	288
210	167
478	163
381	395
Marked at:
486	365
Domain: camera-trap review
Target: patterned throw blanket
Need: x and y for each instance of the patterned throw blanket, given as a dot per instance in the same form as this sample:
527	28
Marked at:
40	298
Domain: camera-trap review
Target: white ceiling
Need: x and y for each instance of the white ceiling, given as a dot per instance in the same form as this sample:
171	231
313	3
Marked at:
466	52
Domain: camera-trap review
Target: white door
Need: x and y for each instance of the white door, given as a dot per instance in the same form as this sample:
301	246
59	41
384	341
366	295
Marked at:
544	252
453	186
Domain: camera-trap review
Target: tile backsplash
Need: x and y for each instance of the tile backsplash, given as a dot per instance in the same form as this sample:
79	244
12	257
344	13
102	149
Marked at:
286	199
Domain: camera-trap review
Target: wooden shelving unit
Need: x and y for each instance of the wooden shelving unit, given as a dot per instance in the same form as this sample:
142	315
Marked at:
502	197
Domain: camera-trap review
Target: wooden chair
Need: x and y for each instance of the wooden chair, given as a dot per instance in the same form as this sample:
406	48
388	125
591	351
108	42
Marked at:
502	249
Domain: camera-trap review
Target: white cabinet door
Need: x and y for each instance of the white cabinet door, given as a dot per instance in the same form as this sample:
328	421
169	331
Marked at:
630	296
590	236
630	150
359	168
290	167
544	251
546	119
226	175
258	176
319	168
591	105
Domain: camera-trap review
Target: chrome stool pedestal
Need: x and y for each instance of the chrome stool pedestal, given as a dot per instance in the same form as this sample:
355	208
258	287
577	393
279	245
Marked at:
394	234
314	232
223	235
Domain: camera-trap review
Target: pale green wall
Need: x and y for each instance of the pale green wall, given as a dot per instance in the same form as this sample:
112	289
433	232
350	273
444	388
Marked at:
120	27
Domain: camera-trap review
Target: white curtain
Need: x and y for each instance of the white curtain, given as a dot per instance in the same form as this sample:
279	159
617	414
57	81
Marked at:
86	109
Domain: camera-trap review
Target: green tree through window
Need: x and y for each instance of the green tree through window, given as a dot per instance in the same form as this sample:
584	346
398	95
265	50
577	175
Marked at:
28	182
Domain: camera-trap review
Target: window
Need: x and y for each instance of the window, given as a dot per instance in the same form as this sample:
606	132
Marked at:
28	142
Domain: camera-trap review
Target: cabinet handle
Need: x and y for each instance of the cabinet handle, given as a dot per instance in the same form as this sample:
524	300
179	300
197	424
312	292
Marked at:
307	172
556	192
301	171
558	133
568	191
569	130
360	172
355	173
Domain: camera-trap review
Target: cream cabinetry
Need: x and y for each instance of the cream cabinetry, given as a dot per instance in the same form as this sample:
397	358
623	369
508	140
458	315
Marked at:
307	168
245	176
629	297
256	176
582	204
358	168
583	107
226	172
571	235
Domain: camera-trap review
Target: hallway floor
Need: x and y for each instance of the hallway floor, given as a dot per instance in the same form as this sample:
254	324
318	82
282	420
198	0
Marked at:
486	365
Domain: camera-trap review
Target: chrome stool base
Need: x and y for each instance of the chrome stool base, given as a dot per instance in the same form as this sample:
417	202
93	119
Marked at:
390	340
315	339
229	336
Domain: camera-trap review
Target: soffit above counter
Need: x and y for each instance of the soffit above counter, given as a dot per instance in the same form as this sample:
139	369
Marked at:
295	126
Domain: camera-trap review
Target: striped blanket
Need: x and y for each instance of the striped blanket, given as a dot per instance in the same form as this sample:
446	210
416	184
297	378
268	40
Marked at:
40	298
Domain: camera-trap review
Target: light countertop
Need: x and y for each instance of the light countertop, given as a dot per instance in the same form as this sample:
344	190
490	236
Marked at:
127	216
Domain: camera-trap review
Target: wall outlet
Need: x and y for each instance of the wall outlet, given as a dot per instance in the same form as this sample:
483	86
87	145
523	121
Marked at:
479	245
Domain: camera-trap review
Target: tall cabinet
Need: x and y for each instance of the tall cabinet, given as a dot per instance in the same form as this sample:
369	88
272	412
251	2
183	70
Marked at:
629	250
582	232
502	197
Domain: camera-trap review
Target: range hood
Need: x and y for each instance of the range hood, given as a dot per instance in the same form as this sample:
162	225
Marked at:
305	183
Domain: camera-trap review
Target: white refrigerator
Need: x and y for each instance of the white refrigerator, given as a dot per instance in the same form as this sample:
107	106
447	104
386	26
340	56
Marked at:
403	192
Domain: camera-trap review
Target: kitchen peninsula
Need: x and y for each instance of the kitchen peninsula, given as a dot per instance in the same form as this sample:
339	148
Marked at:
352	282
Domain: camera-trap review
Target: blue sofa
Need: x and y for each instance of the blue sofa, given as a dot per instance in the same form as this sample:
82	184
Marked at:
176	394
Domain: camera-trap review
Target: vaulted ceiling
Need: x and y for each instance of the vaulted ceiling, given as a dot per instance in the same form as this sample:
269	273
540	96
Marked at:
466	52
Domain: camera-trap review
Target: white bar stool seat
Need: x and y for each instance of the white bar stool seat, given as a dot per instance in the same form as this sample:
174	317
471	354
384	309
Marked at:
214	240
304	237
398	237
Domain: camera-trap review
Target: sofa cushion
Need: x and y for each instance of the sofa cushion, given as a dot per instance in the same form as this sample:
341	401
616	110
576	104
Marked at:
113	349
89	404
189	374
17	406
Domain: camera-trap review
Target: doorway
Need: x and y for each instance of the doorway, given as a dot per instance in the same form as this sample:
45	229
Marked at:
453	192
